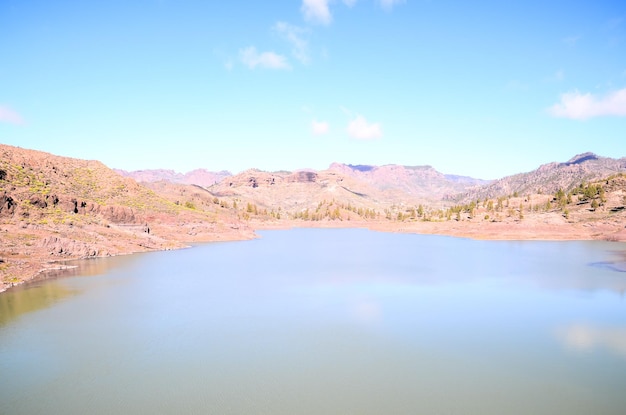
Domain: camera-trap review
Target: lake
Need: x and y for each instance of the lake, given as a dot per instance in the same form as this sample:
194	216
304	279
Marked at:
324	321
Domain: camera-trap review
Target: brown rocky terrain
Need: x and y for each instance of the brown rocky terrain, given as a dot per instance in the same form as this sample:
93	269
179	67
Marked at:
201	177
390	183
549	178
421	183
55	208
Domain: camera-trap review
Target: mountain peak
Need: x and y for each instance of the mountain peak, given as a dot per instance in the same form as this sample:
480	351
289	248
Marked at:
581	158
361	167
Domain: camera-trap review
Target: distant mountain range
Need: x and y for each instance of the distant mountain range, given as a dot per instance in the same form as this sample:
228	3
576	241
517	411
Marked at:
396	183
200	177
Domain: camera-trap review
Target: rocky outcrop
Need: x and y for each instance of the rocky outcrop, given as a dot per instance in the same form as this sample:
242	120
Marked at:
7	205
302	177
58	246
116	214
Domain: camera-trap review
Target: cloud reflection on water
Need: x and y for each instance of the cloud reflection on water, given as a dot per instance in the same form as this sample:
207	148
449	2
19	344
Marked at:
587	338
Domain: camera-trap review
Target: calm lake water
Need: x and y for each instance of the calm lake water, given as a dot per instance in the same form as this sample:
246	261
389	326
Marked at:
313	321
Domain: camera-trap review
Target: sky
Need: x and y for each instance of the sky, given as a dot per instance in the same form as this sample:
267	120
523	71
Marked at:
484	89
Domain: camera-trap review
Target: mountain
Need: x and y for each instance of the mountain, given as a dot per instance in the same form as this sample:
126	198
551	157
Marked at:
549	178
200	177
422	183
297	190
54	207
382	188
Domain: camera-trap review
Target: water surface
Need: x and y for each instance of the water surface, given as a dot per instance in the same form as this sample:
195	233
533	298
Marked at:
338	321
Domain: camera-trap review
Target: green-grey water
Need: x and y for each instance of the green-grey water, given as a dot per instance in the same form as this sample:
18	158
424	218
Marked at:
312	321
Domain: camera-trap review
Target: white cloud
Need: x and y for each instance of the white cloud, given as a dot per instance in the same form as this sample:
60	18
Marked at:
319	127
579	106
361	129
8	115
296	37
349	3
316	11
388	4
251	58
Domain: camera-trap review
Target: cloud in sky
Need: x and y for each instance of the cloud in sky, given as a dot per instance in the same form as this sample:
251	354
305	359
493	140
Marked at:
9	116
296	36
360	129
579	106
251	58
319	127
316	11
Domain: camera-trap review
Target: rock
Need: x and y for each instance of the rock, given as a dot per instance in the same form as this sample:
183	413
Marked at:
7	205
38	201
68	247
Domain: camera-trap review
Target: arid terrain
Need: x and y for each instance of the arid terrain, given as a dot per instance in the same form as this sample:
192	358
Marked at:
54	208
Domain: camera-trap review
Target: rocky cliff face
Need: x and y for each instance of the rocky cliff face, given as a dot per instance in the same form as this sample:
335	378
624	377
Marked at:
549	178
419	182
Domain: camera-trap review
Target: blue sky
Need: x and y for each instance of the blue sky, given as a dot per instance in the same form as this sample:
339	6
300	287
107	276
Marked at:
484	89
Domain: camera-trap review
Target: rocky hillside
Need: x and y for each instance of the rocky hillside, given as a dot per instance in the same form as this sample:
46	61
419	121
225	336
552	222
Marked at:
54	207
201	177
390	183
376	187
299	190
422	183
549	178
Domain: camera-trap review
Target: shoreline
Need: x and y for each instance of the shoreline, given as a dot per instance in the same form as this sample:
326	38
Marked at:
496	231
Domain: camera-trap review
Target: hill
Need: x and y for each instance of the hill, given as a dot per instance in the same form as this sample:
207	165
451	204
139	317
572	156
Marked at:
387	184
54	208
423	184
549	178
201	177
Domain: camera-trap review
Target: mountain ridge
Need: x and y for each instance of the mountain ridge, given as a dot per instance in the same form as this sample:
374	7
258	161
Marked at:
549	177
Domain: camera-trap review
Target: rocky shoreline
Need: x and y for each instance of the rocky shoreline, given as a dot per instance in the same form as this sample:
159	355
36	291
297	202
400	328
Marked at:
48	249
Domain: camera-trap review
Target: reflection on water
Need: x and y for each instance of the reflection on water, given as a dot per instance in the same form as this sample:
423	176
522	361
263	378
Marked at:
585	337
21	300
327	322
46	291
